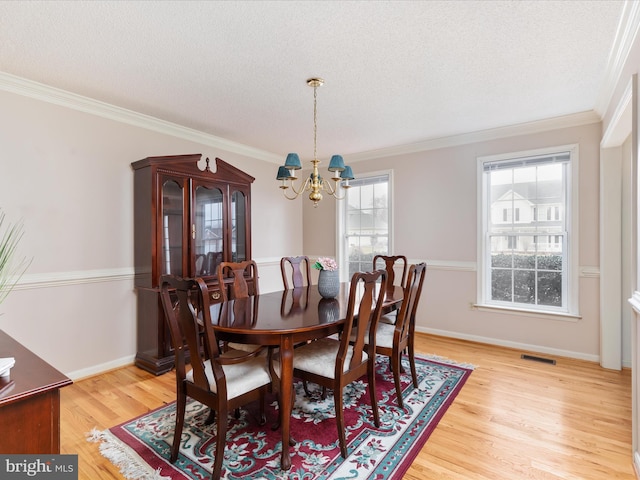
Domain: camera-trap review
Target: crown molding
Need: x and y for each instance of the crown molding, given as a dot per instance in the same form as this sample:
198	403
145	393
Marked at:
626	34
46	93
620	125
565	121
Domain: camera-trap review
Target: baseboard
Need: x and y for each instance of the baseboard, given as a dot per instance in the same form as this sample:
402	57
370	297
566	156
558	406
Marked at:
510	344
101	368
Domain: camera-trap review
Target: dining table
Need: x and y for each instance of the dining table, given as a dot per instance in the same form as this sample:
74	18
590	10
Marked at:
285	319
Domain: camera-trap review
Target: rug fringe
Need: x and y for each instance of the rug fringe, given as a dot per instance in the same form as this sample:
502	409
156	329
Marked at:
131	466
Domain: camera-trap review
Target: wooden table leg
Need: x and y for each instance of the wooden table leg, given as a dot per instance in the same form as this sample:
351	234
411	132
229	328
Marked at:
286	384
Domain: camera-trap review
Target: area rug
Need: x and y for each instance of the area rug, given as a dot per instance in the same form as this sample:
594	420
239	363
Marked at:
141	446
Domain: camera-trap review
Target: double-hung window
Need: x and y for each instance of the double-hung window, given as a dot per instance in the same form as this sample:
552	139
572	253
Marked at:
528	249
364	223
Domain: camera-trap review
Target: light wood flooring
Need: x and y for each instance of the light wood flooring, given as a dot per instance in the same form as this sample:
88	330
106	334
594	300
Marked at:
514	419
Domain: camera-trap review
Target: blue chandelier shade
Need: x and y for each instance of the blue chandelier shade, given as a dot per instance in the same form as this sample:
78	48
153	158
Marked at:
347	173
283	173
336	164
292	162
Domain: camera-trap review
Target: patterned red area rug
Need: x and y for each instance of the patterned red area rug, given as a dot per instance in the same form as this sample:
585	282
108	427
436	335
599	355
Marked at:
140	447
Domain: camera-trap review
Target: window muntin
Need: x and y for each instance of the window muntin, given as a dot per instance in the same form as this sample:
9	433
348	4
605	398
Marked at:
525	258
366	222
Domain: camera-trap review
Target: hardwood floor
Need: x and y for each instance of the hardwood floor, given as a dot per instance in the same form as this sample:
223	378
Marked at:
514	419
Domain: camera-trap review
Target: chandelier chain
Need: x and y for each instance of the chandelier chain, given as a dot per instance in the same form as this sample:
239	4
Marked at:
315	121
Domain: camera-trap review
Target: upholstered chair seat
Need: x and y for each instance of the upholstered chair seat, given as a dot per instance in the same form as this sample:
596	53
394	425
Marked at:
241	377
319	357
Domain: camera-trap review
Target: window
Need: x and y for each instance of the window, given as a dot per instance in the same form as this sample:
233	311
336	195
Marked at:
527	262
365	223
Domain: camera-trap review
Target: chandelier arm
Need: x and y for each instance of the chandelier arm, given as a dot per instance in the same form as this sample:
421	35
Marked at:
284	192
333	190
338	197
303	187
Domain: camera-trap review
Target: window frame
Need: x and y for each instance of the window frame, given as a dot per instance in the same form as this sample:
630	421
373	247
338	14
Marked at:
571	308
341	238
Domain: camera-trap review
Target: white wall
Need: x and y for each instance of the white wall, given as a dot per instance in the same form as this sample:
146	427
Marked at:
67	174
435	209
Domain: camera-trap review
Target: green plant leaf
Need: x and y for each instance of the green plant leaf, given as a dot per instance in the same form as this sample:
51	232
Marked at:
11	268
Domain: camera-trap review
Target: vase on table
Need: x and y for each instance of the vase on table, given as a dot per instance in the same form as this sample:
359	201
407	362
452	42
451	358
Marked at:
329	283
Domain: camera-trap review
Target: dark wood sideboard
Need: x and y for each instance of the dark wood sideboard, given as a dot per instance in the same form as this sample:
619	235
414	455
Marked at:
29	402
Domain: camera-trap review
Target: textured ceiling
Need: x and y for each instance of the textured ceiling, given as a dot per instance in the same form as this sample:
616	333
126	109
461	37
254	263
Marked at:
395	72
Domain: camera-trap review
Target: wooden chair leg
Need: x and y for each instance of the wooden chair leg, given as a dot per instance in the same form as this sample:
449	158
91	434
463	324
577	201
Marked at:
412	362
181	405
211	418
395	360
221	440
323	395
263	416
337	397
371	368
306	389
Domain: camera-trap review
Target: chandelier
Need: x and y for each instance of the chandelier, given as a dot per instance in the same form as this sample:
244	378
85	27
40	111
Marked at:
314	183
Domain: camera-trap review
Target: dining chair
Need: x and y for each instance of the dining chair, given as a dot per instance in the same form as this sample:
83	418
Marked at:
243	279
298	269
221	381
389	262
334	362
392	339
199	264
243	283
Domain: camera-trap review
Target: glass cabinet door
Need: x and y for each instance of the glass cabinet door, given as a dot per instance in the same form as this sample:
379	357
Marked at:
238	227
172	224
207	230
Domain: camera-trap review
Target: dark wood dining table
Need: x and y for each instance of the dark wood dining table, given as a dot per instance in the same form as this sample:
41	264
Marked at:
285	319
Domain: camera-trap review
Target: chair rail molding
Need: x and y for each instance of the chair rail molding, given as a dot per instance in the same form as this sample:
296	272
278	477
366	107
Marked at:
80	277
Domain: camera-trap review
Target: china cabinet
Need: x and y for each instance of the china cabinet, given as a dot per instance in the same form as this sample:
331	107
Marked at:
187	220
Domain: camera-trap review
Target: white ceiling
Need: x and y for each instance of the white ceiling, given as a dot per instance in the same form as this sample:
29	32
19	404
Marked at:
396	72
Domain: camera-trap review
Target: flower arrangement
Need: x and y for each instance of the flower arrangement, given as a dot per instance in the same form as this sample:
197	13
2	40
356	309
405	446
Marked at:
326	263
11	269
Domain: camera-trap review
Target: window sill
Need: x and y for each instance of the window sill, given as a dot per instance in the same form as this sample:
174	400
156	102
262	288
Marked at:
563	316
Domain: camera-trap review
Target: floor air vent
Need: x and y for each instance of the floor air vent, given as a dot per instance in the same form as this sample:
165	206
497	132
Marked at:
550	361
